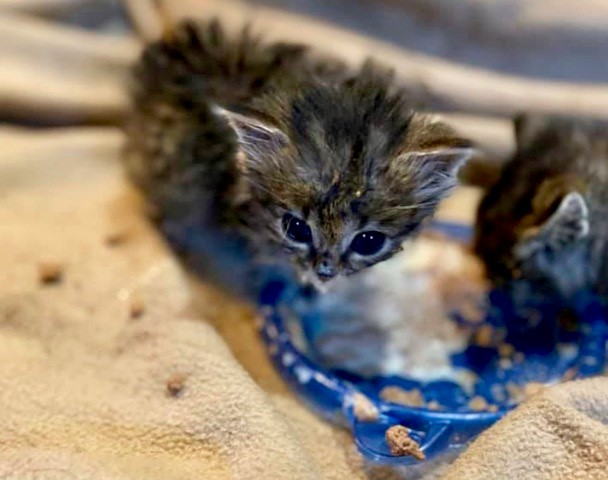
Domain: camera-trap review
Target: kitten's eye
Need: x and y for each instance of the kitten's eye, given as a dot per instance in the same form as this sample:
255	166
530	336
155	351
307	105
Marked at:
368	243
296	229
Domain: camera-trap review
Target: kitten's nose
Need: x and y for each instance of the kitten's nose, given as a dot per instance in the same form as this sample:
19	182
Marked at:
325	270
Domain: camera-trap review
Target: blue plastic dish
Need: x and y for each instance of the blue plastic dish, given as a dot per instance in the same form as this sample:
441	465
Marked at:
331	393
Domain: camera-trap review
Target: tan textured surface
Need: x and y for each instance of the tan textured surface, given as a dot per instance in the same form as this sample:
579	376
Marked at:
560	434
61	74
82	385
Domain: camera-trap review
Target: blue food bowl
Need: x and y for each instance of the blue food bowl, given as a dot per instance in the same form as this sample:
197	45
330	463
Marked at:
542	359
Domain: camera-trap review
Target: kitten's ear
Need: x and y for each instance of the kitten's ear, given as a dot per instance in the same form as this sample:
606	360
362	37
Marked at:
434	153
257	139
569	223
435	172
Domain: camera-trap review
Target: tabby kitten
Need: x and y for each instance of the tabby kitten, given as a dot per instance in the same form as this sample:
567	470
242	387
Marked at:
306	161
541	229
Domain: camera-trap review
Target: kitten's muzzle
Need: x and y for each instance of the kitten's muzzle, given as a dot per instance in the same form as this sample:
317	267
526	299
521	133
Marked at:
325	270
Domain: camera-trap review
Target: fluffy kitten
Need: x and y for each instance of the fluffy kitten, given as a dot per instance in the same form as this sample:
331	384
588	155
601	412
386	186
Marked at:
304	160
541	230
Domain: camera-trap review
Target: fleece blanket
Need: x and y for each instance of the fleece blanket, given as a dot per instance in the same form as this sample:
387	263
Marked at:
107	368
115	364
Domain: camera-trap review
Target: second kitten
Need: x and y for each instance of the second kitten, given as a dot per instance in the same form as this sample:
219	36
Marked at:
541	230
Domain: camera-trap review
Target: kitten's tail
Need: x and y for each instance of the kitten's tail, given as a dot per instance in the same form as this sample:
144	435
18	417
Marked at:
199	62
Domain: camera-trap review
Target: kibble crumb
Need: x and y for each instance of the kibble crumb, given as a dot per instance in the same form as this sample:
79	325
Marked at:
434	405
410	398
506	350
505	363
115	239
401	444
478	403
175	384
136	308
484	335
50	273
364	409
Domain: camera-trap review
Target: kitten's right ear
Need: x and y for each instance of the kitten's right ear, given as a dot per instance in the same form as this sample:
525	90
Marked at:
569	223
257	139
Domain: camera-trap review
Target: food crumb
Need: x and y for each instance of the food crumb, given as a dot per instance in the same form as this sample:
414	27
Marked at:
136	308
505	363
175	384
50	273
410	398
506	350
434	405
115	239
478	403
401	444
483	336
364	409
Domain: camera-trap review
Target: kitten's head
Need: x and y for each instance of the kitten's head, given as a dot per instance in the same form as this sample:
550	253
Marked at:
338	176
534	224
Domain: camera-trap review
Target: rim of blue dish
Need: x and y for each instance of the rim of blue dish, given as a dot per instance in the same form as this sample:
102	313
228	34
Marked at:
333	397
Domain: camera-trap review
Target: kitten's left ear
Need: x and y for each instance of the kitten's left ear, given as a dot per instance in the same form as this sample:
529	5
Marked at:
434	154
569	223
257	139
435	172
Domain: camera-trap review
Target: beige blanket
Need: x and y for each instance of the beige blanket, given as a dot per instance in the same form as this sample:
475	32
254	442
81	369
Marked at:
87	364
121	367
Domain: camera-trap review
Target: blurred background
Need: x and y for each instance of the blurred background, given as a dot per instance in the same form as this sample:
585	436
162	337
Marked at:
536	38
66	62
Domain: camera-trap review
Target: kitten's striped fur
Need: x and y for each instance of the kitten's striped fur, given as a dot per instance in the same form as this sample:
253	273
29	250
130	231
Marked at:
231	134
